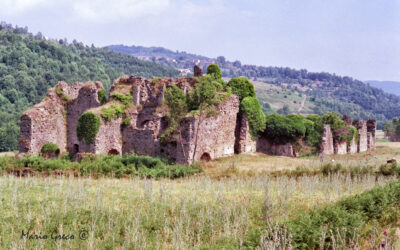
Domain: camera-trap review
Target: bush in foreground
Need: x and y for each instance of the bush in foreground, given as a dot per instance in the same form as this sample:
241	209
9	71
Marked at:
104	165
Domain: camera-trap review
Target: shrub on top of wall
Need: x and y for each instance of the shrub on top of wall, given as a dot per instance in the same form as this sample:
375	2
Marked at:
341	131
280	129
214	70
49	148
102	96
252	109
88	127
242	87
124	99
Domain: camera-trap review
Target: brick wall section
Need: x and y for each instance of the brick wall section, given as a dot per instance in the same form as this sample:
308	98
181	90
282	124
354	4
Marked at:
371	128
352	147
243	143
44	123
216	134
265	146
340	148
363	137
327	141
86	99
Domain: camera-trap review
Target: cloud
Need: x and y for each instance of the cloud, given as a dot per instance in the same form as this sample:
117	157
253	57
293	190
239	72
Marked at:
18	6
102	11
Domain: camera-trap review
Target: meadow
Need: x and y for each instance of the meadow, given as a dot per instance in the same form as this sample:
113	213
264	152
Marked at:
230	205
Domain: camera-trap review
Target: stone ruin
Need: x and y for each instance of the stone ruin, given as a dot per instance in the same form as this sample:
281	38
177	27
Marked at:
366	141
55	120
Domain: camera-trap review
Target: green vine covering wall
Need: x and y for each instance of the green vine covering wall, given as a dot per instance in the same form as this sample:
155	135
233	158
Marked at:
88	127
251	107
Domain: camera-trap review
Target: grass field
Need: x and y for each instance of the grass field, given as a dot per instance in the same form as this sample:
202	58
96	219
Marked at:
225	207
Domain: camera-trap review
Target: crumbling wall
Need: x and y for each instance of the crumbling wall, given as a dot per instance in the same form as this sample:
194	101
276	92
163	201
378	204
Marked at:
352	147
142	135
244	143
340	148
265	146
86	98
371	128
327	141
44	123
362	135
215	135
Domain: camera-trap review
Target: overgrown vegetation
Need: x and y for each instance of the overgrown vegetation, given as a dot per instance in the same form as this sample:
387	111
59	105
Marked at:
280	129
242	87
128	165
251	107
31	64
352	212
126	121
88	127
340	130
49	148
62	94
124	99
112	112
102	95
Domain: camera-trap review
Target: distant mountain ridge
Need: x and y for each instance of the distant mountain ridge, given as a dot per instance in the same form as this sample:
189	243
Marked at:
391	87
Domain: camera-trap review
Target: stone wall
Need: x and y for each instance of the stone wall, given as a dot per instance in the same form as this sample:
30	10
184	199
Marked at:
362	135
215	135
352	147
327	141
371	128
265	146
340	148
243	143
86	98
44	123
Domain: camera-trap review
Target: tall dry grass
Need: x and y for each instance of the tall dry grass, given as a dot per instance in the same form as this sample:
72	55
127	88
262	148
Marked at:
196	212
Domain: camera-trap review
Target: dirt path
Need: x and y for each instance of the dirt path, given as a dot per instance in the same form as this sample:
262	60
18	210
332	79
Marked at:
302	104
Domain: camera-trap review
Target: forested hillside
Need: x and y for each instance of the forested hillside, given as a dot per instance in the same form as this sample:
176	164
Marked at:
328	92
31	64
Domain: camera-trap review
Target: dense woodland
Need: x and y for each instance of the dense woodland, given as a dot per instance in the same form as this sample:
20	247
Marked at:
31	64
329	92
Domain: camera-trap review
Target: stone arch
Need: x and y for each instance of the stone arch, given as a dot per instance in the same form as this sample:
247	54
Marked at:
113	152
205	157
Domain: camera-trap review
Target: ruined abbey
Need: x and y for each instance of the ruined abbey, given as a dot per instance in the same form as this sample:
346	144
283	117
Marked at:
139	129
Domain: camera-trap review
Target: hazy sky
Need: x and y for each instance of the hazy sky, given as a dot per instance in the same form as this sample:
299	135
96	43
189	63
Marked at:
359	38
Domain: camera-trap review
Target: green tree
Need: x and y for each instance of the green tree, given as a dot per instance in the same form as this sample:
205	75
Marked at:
242	87
178	108
284	110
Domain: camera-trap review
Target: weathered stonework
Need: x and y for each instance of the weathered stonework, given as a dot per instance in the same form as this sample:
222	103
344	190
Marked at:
362	135
215	135
371	128
327	141
45	122
352	147
267	147
142	123
197	71
340	148
244	143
